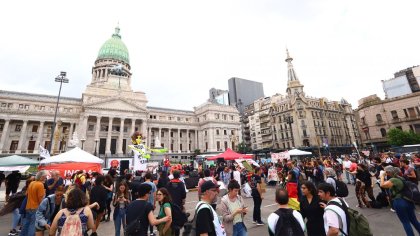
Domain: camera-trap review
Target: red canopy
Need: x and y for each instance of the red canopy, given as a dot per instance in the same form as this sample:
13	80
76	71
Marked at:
230	155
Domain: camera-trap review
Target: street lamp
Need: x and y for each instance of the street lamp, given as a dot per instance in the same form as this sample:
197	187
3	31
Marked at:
83	141
289	120
96	144
62	79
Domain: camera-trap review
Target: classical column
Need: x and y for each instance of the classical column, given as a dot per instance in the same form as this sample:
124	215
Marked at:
133	126
196	139
144	131
149	135
22	136
210	137
120	138
39	138
159	137
188	141
4	134
97	130
108	138
85	127
179	141
71	131
169	140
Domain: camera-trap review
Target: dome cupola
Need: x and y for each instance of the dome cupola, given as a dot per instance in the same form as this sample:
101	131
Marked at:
114	48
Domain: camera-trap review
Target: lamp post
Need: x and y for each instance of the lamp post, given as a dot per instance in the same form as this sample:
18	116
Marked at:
96	144
62	79
289	120
83	141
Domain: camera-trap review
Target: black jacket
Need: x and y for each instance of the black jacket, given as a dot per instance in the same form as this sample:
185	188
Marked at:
176	189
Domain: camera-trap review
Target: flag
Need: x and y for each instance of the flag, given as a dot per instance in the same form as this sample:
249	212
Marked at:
43	153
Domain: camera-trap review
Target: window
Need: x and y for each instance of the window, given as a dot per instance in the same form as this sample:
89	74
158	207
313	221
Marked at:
231	117
13	146
363	121
64	129
178	118
1	127
383	133
172	134
218	145
394	114
125	129
217	116
20	106
35	128
226	145
162	134
217	132
378	117
225	132
205	134
91	127
18	128
224	117
411	112
104	128
232	132
4	105
10	105
180	134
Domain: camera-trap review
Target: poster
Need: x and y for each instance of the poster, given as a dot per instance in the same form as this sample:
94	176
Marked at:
116	161
272	175
275	157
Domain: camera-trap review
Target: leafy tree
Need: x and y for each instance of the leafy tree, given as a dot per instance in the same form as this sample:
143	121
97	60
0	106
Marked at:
242	148
197	152
399	137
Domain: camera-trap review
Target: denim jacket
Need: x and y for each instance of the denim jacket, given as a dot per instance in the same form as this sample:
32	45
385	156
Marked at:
44	212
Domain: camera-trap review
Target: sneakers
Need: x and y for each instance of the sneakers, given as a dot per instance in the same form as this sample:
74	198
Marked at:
260	223
392	210
13	232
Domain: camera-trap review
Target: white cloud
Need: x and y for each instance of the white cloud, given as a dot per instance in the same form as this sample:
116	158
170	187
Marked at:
180	49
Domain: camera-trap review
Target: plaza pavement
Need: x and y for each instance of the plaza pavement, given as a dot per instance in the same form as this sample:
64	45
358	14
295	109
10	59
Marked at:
383	222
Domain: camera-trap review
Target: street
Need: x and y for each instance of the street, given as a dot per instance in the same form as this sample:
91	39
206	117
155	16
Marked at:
382	221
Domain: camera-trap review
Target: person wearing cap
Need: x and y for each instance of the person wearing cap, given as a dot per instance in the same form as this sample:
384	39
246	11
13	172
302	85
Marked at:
143	209
405	209
209	220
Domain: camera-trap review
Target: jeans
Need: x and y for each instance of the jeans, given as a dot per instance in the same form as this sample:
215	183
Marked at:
239	229
257	207
348	176
15	218
28	223
119	219
406	213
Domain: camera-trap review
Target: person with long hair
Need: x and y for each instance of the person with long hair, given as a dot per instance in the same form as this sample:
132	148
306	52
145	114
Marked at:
99	194
233	211
76	203
48	209
121	200
405	209
311	209
164	199
109	186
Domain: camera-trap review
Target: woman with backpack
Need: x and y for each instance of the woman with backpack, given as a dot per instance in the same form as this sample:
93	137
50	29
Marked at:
405	209
47	210
164	199
76	219
121	200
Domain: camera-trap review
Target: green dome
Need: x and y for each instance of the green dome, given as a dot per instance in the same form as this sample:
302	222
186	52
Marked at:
114	48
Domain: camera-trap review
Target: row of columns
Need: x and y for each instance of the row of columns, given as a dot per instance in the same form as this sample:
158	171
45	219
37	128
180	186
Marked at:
178	148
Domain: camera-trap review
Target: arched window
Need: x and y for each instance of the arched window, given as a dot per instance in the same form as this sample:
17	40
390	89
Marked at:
383	132
378	117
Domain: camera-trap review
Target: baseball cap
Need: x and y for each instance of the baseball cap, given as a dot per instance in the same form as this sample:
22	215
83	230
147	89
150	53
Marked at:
208	185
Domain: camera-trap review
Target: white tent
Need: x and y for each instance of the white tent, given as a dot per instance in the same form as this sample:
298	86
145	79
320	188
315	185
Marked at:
72	161
74	155
297	152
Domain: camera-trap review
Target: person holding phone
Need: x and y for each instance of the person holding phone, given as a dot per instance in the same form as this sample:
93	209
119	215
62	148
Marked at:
233	211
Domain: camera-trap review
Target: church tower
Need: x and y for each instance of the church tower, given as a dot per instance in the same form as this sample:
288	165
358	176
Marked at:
294	87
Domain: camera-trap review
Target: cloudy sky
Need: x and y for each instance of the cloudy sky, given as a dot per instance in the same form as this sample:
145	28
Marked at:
180	49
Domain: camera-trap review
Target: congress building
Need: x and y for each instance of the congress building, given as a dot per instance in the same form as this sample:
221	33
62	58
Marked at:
108	112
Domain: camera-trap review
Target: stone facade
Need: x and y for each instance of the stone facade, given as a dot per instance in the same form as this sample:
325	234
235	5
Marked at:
376	117
107	115
297	120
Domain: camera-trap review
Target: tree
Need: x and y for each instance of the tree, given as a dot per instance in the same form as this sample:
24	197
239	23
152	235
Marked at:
398	137
197	152
242	148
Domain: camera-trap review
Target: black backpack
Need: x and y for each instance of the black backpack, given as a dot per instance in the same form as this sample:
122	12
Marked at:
287	224
341	189
190	228
179	218
410	191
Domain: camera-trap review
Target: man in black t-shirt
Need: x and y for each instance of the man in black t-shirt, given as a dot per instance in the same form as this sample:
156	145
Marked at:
143	209
257	196
209	223
12	183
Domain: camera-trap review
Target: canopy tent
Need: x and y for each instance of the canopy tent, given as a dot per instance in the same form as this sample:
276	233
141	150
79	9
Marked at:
229	155
297	152
72	161
16	160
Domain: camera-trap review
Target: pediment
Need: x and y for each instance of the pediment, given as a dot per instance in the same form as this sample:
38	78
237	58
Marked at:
115	104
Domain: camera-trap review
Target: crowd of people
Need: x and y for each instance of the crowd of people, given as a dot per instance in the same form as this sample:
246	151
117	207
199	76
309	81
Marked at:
306	194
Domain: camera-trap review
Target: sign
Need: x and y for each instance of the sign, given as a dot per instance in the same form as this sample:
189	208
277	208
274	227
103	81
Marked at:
72	167
272	175
152	167
275	157
116	161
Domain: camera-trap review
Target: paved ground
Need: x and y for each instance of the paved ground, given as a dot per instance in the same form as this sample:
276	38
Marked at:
382	221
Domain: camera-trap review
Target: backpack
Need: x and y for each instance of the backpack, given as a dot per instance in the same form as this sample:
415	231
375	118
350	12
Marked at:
179	218
287	224
410	191
190	228
72	225
357	223
341	189
382	199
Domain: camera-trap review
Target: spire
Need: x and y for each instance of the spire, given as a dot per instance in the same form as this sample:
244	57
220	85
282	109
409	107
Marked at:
117	31
291	74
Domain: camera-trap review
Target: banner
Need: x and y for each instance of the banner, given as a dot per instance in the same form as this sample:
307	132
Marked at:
72	167
140	163
43	152
152	167
272	175
275	157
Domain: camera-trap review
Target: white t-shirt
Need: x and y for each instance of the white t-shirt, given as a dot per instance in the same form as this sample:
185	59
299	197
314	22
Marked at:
273	218
237	176
335	217
347	164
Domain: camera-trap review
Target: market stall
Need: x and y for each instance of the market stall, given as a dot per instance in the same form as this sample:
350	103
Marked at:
71	162
16	163
230	155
